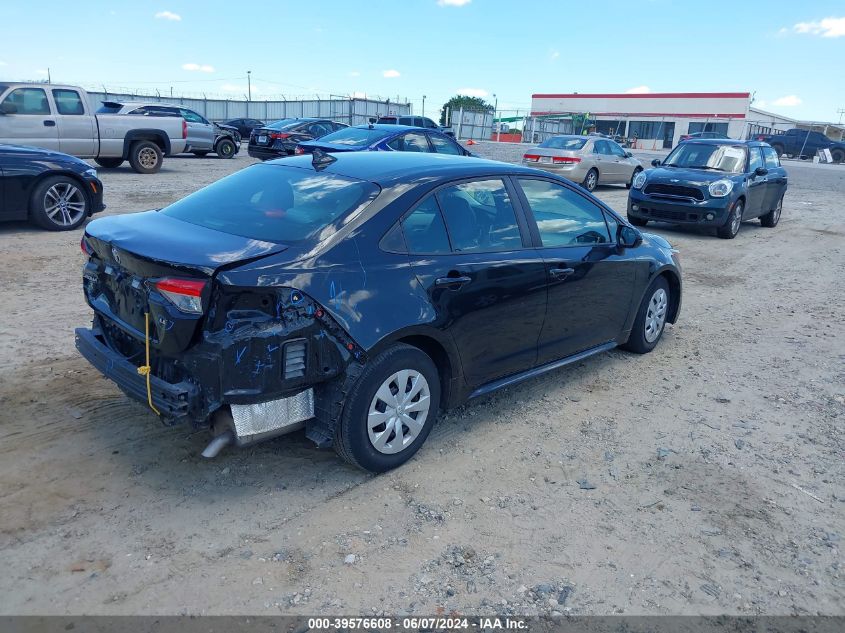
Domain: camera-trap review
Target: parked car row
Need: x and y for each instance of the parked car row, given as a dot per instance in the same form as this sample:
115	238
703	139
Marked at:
804	144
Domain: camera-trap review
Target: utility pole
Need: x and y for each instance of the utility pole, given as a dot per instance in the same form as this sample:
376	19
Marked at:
423	106
48	75
840	112
496	109
249	85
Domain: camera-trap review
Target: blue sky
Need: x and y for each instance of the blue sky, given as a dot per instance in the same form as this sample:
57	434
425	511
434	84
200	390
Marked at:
791	54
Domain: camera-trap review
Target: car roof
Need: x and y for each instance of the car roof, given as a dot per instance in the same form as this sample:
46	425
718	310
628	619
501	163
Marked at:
387	127
388	168
725	141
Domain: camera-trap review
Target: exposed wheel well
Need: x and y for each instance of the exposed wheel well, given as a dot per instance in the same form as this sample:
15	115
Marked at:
674	294
152	136
50	174
440	357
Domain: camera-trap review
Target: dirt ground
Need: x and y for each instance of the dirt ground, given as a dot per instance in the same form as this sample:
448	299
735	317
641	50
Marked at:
712	469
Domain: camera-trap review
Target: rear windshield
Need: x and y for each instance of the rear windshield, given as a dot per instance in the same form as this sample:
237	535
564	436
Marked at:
727	158
388	119
109	108
274	203
564	142
284	124
355	136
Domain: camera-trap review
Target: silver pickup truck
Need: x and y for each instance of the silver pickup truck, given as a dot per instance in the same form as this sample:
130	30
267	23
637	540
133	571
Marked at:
62	118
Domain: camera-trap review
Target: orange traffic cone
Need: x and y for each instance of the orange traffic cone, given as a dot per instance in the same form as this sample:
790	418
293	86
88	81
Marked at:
470	142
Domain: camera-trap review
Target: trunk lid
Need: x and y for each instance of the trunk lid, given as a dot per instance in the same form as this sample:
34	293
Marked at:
130	253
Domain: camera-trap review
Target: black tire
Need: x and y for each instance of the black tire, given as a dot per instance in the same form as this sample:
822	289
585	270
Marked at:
630	183
145	157
47	210
591	180
109	163
731	227
636	221
771	219
352	434
778	148
200	153
225	148
838	155
638	342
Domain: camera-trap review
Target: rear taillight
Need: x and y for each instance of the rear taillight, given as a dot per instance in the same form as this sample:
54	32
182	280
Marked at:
565	160
279	135
184	128
185	294
86	250
531	157
299	151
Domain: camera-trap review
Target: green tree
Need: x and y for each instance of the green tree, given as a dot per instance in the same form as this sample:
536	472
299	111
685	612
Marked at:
462	101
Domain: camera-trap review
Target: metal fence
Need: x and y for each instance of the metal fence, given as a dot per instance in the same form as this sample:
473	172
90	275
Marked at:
538	129
472	124
342	110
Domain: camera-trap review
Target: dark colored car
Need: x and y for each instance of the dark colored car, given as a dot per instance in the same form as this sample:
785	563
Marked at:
701	135
244	126
280	138
358	294
804	144
56	191
414	121
711	183
385	138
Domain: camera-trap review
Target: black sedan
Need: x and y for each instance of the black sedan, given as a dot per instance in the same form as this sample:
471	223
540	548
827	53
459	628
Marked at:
382	137
280	138
711	183
56	191
359	294
244	126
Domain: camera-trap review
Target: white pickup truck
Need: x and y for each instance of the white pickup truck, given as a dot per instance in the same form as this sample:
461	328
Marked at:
61	118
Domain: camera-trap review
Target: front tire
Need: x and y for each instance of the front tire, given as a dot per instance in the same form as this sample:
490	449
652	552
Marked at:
651	318
145	157
109	163
225	148
838	156
59	203
390	410
731	228
771	219
591	180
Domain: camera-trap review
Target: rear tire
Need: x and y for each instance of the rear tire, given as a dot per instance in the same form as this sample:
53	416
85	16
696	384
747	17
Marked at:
778	148
109	163
771	219
225	148
630	183
637	221
651	318
393	387
59	203
591	180
734	221
838	156
145	157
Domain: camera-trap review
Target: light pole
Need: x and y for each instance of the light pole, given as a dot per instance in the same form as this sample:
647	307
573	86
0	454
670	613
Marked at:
495	109
423	107
249	85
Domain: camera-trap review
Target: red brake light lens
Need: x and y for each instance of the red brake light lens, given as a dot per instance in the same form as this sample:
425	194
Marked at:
185	294
565	160
532	157
299	151
279	135
86	250
184	128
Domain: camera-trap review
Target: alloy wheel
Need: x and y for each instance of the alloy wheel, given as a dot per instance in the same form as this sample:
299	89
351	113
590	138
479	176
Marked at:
148	158
736	218
64	204
398	411
655	317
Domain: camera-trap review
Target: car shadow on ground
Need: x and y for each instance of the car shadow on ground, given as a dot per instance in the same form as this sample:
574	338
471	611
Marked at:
697	232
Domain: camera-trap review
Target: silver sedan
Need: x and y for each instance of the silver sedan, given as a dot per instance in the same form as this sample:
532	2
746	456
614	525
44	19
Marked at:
588	160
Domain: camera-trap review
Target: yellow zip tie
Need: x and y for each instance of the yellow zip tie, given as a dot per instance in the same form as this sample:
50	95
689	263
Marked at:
144	370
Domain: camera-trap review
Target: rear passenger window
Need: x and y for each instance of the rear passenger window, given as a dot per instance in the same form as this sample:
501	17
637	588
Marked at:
411	142
28	101
771	158
424	230
480	216
68	102
564	217
445	146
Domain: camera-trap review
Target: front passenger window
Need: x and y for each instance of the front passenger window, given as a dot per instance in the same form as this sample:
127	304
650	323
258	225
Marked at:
564	217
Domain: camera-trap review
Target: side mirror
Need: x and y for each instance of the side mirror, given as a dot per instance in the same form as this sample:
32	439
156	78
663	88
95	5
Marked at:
655	162
628	237
628	155
761	171
8	108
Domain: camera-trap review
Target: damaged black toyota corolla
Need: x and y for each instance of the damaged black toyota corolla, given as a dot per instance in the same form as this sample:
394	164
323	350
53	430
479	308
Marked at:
357	295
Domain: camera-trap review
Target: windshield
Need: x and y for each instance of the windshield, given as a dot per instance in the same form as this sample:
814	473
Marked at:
355	136
274	203
564	142
283	124
727	158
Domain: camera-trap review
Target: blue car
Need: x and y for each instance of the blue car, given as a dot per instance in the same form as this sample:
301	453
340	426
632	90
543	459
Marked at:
711	182
385	138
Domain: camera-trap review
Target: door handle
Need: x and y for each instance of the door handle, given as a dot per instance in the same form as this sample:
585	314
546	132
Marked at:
561	273
452	281
49	123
